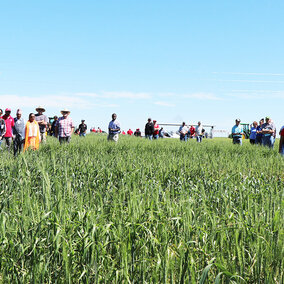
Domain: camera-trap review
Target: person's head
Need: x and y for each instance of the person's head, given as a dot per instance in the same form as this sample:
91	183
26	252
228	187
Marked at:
261	121
65	112
83	120
199	123
254	124
31	117
55	117
149	119
114	116
19	113
7	111
183	124
40	110
154	121
238	121
1	111
267	119
162	128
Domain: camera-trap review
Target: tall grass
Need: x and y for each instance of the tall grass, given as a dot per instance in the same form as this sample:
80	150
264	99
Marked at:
142	212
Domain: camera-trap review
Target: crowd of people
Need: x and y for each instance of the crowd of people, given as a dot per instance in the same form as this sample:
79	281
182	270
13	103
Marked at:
262	133
29	135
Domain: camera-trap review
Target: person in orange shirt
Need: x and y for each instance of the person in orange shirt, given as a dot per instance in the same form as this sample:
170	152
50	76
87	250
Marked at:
32	139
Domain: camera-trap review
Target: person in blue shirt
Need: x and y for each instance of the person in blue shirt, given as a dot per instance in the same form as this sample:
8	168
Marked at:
113	129
258	139
237	132
253	133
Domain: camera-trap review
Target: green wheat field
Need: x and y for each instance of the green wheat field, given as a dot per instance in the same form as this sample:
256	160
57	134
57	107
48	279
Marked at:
142	212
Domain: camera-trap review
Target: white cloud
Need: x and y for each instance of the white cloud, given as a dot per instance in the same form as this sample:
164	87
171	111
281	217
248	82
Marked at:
203	96
250	73
49	101
165	104
116	95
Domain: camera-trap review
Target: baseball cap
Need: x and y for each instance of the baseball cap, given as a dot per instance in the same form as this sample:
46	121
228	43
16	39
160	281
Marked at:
238	120
8	109
267	117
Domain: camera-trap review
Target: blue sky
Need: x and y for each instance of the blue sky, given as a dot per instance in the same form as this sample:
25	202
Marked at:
212	61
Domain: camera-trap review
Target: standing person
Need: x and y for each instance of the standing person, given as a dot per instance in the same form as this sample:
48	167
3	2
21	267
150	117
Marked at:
64	127
42	121
237	132
55	118
32	134
18	132
156	129
129	132
161	132
99	130
199	132
9	122
149	129
83	128
2	130
281	143
191	131
1	112
211	132
137	133
268	133
113	129
258	139
253	133
183	132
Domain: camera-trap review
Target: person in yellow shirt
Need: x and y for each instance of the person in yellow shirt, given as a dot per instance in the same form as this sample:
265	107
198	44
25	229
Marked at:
32	139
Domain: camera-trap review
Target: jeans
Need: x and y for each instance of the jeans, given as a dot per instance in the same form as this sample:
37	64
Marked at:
150	137
258	140
18	145
199	138
82	134
238	140
8	142
156	136
64	139
183	137
281	150
268	141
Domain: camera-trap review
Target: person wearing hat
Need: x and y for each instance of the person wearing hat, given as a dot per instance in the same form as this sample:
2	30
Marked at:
83	128
113	129
268	133
9	123
64	127
18	132
42	121
149	129
237	132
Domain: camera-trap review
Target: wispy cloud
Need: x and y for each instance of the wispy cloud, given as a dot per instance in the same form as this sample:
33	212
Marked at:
250	73
203	96
165	104
51	101
252	81
116	95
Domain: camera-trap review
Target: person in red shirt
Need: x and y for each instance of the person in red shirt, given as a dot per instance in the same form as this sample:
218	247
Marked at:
9	122
123	132
99	130
129	132
191	131
156	129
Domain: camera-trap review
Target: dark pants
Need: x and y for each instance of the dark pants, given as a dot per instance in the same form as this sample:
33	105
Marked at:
252	141
64	139
18	145
258	140
8	141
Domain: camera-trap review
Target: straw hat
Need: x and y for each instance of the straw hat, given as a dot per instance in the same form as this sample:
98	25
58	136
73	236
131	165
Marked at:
40	108
65	110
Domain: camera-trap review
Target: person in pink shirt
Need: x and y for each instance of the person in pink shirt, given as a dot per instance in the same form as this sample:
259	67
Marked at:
129	132
9	122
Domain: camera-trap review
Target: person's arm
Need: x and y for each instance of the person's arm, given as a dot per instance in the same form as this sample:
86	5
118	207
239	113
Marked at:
86	128
56	126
